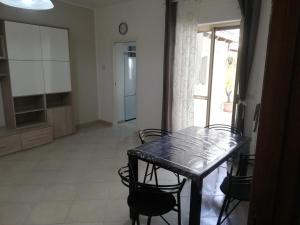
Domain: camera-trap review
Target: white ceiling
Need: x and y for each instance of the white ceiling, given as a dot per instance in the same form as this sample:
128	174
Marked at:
92	3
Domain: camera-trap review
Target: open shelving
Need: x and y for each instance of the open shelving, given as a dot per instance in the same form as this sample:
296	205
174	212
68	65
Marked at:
58	99
29	110
30	119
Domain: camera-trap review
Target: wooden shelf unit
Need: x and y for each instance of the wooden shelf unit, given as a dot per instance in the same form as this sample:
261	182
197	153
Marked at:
37	95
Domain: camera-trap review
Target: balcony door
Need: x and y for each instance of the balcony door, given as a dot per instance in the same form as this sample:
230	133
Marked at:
215	88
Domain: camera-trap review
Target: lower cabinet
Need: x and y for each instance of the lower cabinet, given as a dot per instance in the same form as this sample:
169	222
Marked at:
22	139
36	137
10	144
61	119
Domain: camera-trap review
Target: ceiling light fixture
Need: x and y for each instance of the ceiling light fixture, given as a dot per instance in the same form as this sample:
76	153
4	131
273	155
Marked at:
29	4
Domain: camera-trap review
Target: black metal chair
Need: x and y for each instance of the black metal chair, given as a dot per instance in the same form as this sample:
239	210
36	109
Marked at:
225	127
236	187
151	200
146	136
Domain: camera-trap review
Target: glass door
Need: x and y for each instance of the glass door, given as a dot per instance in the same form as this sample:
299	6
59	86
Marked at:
215	89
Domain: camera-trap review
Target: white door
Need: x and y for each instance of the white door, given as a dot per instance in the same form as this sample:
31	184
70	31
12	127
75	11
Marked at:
55	44
26	78
57	76
23	41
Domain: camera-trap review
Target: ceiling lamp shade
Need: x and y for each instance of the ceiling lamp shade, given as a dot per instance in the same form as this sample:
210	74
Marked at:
29	4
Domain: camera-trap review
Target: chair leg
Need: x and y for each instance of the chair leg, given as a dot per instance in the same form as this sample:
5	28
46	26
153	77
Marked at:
149	220
146	173
222	210
151	174
138	219
179	209
155	175
178	178
227	205
133	220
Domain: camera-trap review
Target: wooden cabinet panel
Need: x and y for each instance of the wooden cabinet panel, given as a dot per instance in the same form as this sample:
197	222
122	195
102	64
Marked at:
57	77
26	78
36	137
23	41
61	118
10	144
55	44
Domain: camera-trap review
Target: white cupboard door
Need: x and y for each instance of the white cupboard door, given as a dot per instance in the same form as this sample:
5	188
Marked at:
57	76
26	78
55	44
23	41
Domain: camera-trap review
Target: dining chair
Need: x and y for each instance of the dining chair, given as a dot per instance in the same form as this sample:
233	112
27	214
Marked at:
146	136
236	187
151	200
225	127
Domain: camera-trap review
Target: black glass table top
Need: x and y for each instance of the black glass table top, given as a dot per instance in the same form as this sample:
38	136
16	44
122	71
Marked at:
192	152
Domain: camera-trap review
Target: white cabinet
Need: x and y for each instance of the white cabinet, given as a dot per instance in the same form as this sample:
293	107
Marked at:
38	59
55	44
57	76
26	78
23	41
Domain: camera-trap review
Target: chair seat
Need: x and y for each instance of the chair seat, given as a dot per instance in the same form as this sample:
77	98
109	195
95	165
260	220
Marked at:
237	191
151	202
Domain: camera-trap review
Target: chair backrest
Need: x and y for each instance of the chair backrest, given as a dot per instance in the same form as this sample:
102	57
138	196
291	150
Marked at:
224	127
147	135
124	173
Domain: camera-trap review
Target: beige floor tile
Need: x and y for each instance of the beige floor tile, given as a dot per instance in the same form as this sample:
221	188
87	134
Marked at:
92	191
75	164
29	193
86	211
59	192
69	177
14	213
49	165
40	178
48	213
7	193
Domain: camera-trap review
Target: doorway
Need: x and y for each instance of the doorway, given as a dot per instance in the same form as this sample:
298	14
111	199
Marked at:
124	54
215	88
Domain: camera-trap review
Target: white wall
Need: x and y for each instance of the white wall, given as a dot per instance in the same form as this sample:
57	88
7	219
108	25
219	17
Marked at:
214	11
80	22
257	72
145	19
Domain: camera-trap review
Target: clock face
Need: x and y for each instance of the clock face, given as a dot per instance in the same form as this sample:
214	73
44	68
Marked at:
123	28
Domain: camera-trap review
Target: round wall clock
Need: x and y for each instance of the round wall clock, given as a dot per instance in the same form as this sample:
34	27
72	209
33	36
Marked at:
123	28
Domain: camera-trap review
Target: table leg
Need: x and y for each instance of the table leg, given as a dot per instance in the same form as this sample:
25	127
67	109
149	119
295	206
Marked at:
195	202
133	176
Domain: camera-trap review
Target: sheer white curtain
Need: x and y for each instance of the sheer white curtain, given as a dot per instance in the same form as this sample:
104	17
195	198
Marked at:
185	64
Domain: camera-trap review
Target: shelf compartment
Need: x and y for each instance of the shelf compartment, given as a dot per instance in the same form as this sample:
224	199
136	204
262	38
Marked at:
58	99
30	119
29	111
29	104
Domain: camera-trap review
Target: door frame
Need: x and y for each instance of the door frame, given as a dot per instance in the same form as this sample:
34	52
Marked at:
213	29
115	121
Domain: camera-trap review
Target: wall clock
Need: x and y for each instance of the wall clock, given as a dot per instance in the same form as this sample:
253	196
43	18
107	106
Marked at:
123	28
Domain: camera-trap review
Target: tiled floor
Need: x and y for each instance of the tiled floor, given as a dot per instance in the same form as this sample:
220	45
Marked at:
74	181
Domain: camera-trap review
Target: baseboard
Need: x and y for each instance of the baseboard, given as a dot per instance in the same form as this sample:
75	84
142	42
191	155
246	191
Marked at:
93	123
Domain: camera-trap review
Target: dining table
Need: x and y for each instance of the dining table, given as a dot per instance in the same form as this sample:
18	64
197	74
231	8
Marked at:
193	152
